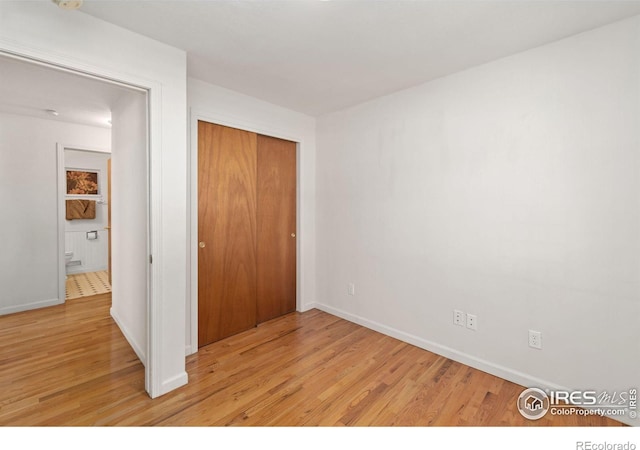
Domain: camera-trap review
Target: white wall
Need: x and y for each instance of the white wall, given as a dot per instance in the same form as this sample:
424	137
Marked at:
129	206
91	254
28	201
215	104
510	191
42	31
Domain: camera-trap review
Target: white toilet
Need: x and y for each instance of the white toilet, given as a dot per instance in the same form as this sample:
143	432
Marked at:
67	259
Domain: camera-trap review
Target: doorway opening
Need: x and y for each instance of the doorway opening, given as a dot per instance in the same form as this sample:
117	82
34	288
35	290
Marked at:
63	110
86	179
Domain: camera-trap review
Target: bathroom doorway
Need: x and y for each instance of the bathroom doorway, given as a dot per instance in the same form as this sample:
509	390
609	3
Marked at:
86	189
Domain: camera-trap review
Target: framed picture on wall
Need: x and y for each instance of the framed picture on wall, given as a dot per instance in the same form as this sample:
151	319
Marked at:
82	182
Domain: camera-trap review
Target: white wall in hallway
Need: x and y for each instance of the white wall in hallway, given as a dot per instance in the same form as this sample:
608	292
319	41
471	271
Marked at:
129	208
510	191
28	201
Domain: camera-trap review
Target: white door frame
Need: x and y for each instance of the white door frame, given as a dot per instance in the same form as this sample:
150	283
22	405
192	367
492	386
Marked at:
153	381
247	125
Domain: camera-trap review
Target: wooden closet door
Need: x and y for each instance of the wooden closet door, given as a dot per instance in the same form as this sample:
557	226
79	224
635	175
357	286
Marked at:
226	231
276	235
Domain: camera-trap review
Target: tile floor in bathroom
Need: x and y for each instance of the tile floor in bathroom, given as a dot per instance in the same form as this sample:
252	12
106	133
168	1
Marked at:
87	284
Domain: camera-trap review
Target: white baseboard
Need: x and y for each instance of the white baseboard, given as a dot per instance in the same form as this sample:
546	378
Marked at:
309	306
174	383
190	350
137	348
29	306
500	371
75	270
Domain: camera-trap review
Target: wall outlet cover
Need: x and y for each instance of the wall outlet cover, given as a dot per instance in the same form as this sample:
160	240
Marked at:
535	339
459	318
472	322
351	289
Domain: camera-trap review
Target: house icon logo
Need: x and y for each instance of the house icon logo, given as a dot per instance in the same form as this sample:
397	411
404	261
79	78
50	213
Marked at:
533	403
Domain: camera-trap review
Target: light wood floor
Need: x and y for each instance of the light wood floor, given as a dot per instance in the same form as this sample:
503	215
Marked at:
70	365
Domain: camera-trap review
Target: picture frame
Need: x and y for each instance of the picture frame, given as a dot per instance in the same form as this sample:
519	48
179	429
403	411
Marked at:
82	182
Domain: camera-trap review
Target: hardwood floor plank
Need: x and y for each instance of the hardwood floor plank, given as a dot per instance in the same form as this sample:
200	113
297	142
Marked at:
70	365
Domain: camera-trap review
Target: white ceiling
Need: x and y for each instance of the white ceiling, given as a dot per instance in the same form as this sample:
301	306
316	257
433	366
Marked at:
310	56
30	89
320	56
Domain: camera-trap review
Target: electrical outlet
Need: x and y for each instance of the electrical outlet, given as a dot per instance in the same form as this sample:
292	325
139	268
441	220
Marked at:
535	339
351	289
472	322
458	317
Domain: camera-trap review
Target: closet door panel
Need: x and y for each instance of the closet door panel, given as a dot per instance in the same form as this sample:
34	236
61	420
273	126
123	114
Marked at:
276	232
227	210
